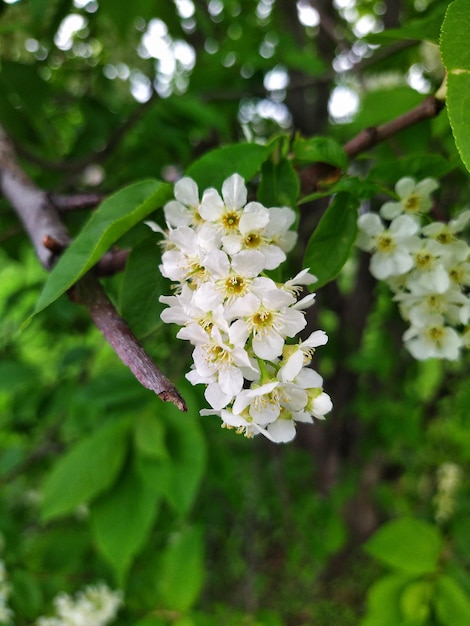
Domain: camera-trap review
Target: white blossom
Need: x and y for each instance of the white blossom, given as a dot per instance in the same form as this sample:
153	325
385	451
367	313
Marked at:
414	198
390	247
238	319
96	604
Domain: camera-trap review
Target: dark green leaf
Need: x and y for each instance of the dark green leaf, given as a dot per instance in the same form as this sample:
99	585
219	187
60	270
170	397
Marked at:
85	471
407	544
121	521
456	56
320	150
115	216
279	184
141	287
418	166
331	242
214	167
425	28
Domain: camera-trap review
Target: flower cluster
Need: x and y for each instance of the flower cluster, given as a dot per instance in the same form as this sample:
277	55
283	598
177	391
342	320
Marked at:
97	605
6	613
427	266
238	319
449	479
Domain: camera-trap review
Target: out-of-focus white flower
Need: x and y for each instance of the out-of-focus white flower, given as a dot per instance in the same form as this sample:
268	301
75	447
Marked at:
433	339
96	605
414	198
390	247
449	478
431	291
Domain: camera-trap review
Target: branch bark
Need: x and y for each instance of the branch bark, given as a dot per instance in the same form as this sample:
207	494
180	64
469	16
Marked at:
317	173
50	237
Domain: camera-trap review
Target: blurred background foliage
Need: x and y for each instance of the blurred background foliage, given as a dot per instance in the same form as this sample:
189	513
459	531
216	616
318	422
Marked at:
99	479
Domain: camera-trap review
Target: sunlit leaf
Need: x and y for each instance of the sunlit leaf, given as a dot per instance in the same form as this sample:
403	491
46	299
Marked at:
456	56
407	544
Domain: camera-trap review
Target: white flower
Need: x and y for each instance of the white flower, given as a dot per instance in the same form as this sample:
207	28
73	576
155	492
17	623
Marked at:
390	247
297	356
415	198
237	318
267	316
444	234
184	210
433	340
277	230
252	235
96	605
225	212
420	305
217	360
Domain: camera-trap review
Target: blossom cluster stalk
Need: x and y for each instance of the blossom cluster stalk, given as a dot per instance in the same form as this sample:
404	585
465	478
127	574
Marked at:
427	266
241	322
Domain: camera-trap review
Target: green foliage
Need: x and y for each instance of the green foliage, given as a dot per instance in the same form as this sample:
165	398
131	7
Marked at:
86	470
99	479
140	289
454	50
116	215
409	545
214	167
329	247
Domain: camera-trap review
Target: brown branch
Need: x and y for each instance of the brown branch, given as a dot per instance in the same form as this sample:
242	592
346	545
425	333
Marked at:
49	236
318	174
89	292
38	215
370	137
75	202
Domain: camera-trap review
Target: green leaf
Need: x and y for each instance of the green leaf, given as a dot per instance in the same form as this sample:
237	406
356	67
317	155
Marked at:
455	53
320	150
186	446
149	435
425	28
120	541
418	166
383	601
407	544
182	570
331	242
452	602
26	594
86	470
141	286
214	167
279	184
115	216
415	601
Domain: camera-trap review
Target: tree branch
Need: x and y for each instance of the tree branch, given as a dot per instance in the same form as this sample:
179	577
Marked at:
370	137
49	236
89	292
32	205
313	176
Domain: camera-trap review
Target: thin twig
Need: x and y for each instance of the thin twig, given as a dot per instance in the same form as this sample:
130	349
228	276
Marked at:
89	292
